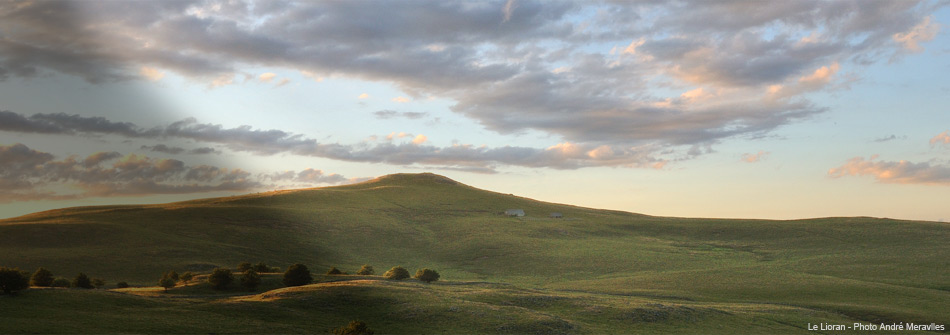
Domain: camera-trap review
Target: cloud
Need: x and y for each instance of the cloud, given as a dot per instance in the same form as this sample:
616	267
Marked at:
814	81
178	150
900	172
386	114
68	124
273	141
363	96
887	138
310	176
820	76
507	10
27	174
498	60
267	77
922	32
151	74
401	99
419	139
390	114
754	158
941	139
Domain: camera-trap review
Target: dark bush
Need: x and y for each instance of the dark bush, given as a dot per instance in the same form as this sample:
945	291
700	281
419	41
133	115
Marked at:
297	275
122	284
220	278
168	280
81	281
366	270
334	271
427	275
244	266
60	282
98	282
397	273
187	276
12	280
42	278
250	280
260	268
354	328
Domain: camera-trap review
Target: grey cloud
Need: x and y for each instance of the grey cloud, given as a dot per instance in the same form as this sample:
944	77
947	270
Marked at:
269	142
203	151
389	114
178	150
164	149
27	174
61	123
386	114
889	138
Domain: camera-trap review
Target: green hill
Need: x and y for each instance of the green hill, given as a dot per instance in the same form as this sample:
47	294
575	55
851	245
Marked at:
804	271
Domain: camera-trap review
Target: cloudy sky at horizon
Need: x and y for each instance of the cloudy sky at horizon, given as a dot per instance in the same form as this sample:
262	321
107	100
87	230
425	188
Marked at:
745	109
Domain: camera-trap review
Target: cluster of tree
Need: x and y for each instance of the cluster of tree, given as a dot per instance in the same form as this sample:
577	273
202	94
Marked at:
259	268
399	273
12	280
171	279
250	277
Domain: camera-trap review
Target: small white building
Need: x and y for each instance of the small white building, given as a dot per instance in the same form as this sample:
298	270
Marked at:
514	212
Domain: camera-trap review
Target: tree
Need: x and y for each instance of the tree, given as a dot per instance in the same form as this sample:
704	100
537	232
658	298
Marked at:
366	270
397	273
98	282
427	275
187	276
250	279
121	284
42	278
354	328
220	278
167	281
244	266
12	280
297	275
173	275
82	281
60	282
260	268
334	271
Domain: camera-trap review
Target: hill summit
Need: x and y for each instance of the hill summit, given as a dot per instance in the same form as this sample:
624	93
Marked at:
414	178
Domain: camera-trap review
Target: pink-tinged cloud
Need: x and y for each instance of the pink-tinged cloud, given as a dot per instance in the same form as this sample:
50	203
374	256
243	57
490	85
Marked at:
419	139
267	77
922	32
753	158
900	172
941	139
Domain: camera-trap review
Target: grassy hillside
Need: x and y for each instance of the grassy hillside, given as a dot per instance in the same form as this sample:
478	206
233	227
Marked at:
388	307
850	268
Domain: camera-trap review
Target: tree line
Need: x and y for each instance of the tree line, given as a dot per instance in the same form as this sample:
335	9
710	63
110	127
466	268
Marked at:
13	279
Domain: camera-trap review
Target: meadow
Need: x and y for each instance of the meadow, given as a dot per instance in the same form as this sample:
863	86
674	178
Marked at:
590	272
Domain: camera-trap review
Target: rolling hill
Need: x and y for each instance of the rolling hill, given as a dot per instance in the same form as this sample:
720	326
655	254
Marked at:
590	271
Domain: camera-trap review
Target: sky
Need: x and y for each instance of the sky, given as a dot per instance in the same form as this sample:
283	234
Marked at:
726	109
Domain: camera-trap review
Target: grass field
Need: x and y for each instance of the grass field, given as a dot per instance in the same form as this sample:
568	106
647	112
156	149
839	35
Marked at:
594	271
